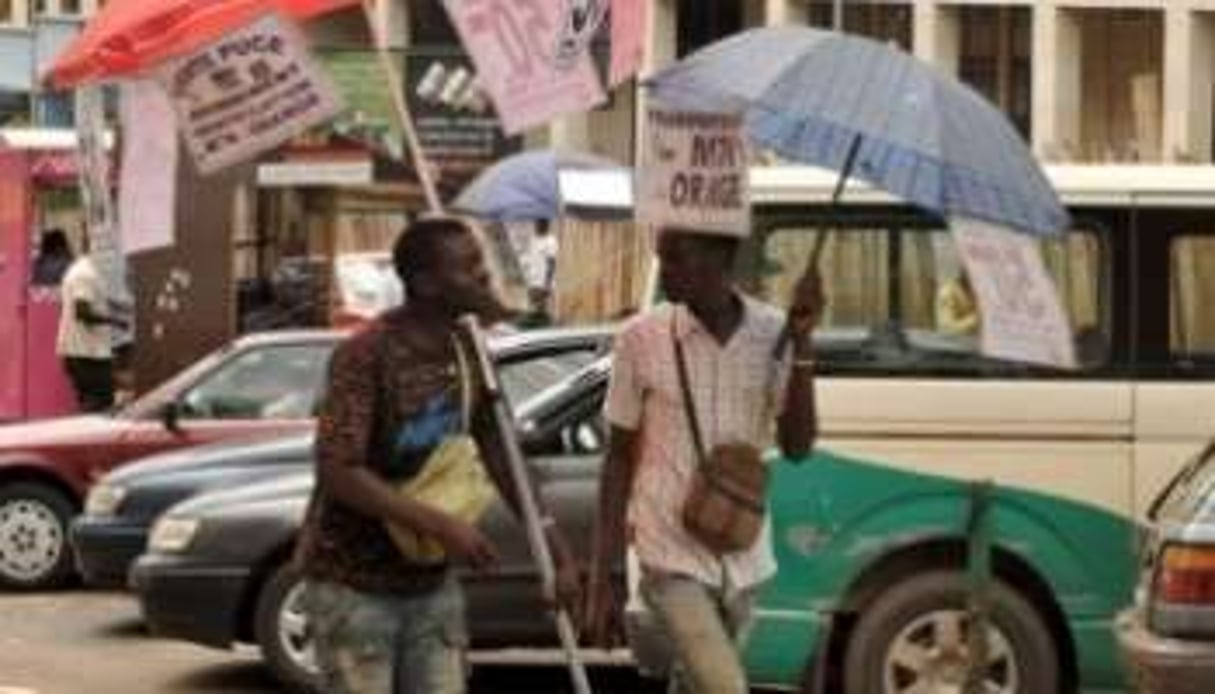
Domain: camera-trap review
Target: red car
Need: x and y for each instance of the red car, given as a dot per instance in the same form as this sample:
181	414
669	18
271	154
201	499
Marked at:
259	384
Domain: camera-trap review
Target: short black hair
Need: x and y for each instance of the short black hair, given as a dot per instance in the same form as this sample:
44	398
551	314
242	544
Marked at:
417	246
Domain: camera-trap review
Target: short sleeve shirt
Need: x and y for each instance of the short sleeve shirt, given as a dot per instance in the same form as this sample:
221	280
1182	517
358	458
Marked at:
77	339
737	388
390	400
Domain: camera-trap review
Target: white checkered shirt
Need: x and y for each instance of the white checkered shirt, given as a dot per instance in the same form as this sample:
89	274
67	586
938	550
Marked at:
731	385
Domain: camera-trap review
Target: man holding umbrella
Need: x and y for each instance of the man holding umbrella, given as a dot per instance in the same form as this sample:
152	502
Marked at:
663	423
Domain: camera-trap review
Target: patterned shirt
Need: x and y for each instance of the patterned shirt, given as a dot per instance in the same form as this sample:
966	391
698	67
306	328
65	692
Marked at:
391	398
736	388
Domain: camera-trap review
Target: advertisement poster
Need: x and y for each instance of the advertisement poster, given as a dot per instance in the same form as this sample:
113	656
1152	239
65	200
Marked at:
1022	316
247	93
522	52
455	120
693	173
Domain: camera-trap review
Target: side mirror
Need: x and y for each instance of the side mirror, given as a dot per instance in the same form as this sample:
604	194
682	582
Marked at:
170	416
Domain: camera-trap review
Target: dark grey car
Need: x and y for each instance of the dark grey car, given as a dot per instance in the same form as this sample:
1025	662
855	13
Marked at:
121	507
217	572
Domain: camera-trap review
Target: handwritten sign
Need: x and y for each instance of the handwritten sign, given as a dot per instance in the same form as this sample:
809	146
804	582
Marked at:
1022	316
247	93
522	61
694	173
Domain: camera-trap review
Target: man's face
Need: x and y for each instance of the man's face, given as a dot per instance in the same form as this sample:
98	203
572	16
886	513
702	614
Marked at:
688	267
462	281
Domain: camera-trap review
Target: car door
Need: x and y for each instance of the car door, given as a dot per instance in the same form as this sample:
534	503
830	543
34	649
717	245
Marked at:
261	390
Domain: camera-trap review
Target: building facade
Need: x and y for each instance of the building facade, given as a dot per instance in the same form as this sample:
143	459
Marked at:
1086	81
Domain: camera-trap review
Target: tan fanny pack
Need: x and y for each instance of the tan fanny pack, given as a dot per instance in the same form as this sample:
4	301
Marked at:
726	503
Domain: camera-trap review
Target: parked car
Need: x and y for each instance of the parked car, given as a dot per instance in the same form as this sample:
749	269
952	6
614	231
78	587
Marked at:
216	571
1168	635
120	508
257	385
859	588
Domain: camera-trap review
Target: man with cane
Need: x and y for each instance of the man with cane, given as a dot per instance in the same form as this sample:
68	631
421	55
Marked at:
695	387
387	613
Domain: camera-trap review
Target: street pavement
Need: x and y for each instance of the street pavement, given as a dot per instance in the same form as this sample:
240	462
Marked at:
88	642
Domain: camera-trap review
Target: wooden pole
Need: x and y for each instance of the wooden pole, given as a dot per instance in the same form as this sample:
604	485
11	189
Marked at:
396	88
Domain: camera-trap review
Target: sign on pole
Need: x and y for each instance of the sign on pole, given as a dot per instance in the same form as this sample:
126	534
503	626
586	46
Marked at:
147	190
630	27
1021	314
517	47
693	173
247	93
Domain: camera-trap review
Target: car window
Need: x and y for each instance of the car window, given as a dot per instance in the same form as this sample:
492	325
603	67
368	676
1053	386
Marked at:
1192	279
272	382
898	301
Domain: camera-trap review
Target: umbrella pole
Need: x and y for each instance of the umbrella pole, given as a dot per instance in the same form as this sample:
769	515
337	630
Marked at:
396	88
525	492
820	241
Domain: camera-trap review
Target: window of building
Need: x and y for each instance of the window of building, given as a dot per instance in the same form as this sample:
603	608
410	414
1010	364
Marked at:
701	23
72	7
6	12
1121	84
890	23
995	47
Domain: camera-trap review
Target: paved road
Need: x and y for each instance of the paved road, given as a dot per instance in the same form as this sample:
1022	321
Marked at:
83	642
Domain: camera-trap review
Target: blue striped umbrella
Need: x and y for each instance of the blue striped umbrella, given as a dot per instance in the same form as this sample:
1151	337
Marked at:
525	187
871	111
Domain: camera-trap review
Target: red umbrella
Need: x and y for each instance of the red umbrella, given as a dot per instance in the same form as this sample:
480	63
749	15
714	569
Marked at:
127	36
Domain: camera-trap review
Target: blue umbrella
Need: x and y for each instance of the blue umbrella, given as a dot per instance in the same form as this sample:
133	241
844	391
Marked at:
867	110
525	187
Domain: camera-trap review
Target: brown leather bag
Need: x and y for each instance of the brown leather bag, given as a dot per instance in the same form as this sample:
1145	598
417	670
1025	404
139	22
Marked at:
725	506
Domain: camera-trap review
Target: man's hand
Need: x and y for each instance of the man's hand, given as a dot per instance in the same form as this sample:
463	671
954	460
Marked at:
807	306
567	586
464	542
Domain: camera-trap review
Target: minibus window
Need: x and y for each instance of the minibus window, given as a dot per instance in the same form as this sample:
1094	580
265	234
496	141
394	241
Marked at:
898	301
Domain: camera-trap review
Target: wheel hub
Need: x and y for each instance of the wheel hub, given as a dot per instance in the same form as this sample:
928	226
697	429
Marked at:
31	539
931	654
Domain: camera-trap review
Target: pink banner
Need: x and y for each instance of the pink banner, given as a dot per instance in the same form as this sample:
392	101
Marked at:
517	48
629	23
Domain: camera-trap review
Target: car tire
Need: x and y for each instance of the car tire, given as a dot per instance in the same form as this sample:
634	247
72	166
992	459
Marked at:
914	633
34	552
281	629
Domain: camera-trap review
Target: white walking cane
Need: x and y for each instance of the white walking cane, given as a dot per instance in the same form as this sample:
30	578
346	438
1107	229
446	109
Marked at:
471	327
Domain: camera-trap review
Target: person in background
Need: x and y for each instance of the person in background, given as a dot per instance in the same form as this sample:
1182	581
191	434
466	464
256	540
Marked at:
53	259
85	340
539	265
384	624
957	310
702	600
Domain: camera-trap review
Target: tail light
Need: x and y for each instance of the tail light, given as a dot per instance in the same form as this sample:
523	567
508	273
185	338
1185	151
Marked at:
1186	575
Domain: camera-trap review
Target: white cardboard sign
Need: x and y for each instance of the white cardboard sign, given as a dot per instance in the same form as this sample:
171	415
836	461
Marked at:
693	173
247	93
523	61
1022	316
147	191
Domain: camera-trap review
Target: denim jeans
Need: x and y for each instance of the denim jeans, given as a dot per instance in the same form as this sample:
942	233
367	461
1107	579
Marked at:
707	627
386	644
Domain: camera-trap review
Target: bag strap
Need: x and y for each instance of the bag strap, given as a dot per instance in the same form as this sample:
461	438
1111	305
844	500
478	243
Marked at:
685	386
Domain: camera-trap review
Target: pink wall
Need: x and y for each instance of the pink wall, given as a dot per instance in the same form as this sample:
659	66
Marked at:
32	383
